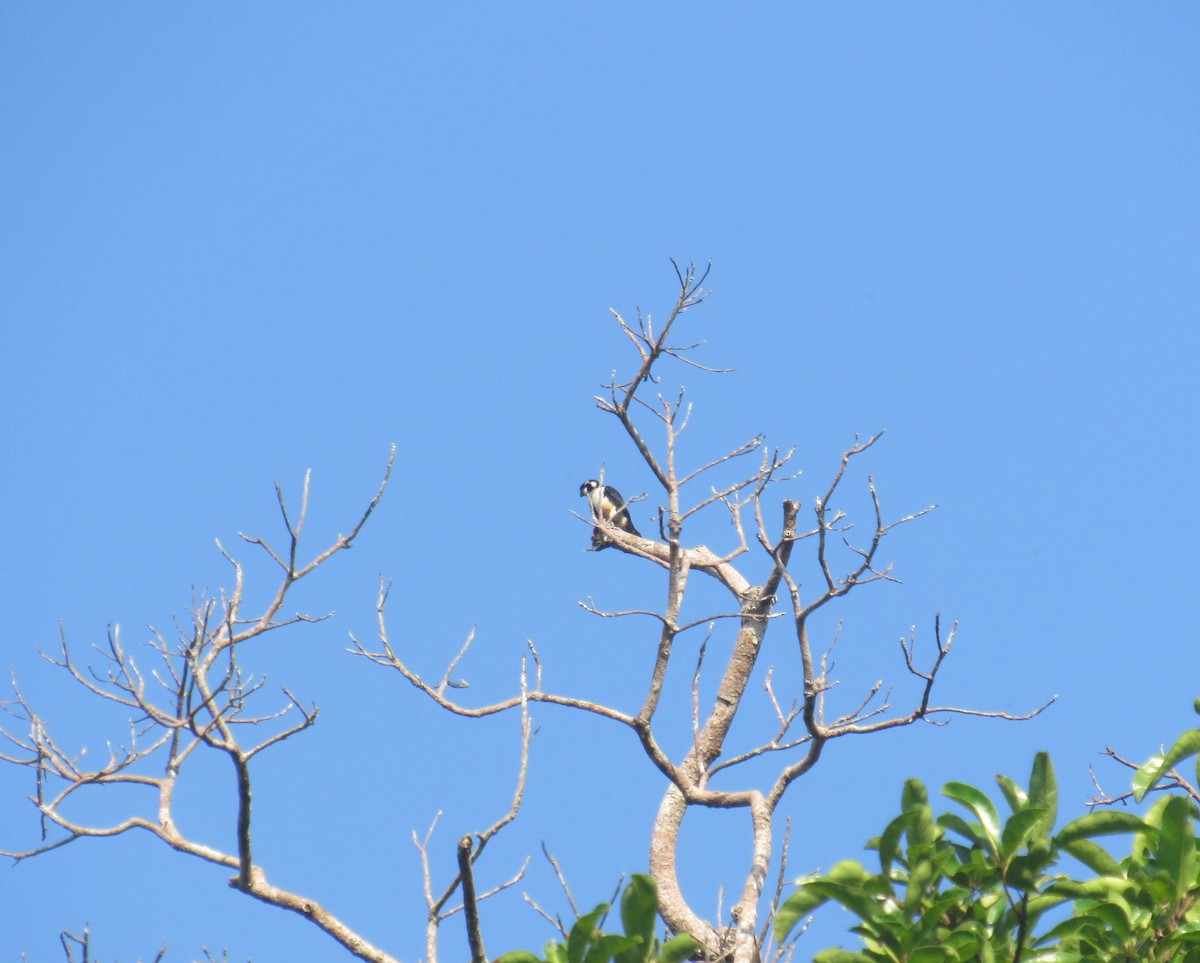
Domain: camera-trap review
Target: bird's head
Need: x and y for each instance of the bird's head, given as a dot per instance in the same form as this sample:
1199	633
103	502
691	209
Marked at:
588	487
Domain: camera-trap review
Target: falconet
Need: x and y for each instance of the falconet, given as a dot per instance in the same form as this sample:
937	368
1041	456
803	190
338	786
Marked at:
607	505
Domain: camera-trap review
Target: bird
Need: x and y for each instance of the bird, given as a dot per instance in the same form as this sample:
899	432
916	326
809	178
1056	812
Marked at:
607	505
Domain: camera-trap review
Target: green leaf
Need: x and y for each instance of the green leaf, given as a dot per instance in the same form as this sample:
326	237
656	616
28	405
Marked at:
677	949
1107	823
1186	745
639	913
806	899
849	872
980	805
1177	845
1150	773
1102	887
1113	917
1023	871
1043	790
1012	792
555	952
796	907
799	904
606	947
838	955
1019	829
913	795
1073	926
1094	856
582	934
914	799
965	943
932	954
851	897
1146	776
518	956
972	833
1145	842
919	878
1045	900
889	842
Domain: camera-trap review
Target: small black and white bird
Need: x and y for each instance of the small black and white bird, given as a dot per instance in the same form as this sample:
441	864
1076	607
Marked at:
607	505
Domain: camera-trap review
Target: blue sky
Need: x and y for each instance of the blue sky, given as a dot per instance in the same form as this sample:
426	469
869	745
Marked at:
242	242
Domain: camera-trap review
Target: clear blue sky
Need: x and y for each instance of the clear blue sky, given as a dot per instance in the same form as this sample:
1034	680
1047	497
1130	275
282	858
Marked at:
242	241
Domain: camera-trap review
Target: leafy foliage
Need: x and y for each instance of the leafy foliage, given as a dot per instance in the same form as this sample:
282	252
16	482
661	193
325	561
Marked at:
587	944
973	885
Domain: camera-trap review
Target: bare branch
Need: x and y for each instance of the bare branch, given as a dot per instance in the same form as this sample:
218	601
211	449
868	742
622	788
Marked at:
495	890
744	449
470	905
453	663
1171	780
555	921
651	348
780	880
470	848
561	882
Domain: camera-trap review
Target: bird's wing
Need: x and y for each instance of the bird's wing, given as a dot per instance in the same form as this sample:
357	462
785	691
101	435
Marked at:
612	496
621	517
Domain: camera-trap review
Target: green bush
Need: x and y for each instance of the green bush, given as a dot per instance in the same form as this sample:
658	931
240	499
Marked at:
971	885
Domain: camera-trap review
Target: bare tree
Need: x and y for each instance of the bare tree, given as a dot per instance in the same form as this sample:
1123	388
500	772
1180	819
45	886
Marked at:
200	698
810	724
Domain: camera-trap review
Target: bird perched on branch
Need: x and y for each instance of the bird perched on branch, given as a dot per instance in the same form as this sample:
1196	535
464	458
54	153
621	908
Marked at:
607	505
